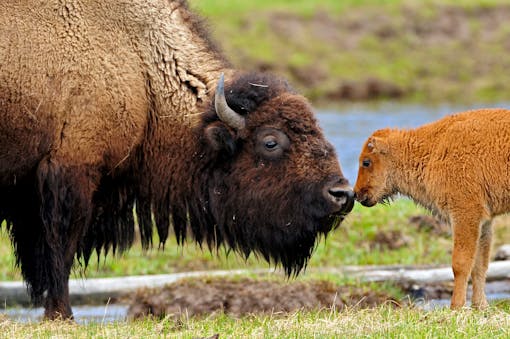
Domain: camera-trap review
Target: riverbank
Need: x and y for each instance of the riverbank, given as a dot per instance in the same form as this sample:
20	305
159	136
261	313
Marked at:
420	51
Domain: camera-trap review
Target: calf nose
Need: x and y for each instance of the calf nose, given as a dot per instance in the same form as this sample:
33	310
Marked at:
343	197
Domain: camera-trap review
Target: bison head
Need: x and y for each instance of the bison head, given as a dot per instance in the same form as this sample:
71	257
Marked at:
372	185
270	182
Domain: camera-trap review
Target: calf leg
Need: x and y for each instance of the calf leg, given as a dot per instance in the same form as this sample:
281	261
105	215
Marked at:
66	196
478	275
465	239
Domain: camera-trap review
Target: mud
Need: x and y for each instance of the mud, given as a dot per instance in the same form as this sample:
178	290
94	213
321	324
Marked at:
428	223
390	240
246	296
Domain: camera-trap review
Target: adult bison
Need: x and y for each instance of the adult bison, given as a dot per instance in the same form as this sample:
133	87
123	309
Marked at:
109	106
458	167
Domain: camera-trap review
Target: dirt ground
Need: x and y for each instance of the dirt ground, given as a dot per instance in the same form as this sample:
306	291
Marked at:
248	296
251	296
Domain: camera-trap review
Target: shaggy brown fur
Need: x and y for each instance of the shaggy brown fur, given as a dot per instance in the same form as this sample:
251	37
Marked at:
106	107
459	168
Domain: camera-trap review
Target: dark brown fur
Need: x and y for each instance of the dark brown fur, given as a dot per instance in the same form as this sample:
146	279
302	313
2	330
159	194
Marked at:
106	109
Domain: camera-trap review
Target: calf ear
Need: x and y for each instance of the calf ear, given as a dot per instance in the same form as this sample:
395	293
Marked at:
378	145
220	138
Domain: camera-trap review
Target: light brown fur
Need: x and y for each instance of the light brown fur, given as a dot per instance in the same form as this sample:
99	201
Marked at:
111	51
459	168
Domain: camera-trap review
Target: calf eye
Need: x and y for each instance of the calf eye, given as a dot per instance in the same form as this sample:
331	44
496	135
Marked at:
366	163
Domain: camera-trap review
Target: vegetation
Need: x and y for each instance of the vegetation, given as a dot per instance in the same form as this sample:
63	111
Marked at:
355	242
335	51
382	322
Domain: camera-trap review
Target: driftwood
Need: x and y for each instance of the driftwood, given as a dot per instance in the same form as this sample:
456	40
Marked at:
497	270
105	289
101	290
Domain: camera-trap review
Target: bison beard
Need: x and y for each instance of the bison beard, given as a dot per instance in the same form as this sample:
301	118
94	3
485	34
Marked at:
286	235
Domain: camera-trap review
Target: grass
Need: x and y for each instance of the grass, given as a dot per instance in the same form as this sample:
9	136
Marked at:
352	41
382	322
231	8
350	244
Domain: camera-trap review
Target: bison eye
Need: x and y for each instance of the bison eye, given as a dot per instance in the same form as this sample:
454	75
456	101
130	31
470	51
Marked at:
271	145
366	163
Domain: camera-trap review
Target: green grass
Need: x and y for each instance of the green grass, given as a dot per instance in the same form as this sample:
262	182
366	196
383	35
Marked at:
350	244
435	70
382	322
222	9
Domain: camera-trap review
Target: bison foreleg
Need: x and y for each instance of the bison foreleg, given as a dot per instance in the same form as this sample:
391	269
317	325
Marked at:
66	195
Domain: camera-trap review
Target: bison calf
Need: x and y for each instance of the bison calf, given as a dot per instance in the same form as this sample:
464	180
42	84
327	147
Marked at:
457	167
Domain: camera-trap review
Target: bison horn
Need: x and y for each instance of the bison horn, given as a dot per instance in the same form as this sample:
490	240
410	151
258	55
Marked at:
226	114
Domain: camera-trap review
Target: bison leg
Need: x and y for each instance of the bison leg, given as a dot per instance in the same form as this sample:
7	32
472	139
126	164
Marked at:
66	195
27	234
465	239
478	275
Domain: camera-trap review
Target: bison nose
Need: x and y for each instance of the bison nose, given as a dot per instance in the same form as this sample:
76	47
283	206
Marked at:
343	197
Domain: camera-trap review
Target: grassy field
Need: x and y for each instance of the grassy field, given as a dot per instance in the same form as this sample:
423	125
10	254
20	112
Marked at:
355	242
382	322
337	51
233	8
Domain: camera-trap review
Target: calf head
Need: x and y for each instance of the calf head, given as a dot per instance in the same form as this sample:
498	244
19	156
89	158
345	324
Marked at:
273	181
372	185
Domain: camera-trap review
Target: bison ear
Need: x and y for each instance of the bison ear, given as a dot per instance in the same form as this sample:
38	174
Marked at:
378	145
220	138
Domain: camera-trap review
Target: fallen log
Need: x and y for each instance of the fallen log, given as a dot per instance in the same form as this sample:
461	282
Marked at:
497	270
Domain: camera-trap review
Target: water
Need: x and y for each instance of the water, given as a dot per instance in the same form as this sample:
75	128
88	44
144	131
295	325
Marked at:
434	304
348	127
83	314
